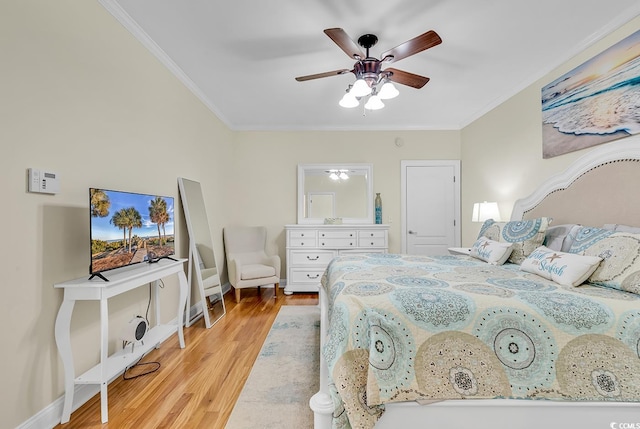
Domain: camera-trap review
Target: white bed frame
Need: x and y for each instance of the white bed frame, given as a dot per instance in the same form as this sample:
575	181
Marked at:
505	413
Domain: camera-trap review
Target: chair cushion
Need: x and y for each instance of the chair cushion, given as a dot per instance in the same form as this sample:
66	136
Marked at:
256	271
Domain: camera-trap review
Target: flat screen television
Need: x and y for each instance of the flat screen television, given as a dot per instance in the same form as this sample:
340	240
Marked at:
128	228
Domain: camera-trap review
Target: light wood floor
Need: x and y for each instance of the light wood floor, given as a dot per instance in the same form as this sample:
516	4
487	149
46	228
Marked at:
195	387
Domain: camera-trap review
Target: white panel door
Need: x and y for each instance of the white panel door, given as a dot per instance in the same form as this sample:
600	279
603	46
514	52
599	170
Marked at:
430	203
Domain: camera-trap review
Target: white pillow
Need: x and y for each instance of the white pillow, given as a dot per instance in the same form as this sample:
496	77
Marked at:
621	228
560	237
568	269
493	252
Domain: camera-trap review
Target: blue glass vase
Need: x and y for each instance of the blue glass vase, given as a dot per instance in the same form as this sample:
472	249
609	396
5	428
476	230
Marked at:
378	206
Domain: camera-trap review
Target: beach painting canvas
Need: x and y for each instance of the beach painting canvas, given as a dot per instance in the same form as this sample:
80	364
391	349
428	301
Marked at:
595	103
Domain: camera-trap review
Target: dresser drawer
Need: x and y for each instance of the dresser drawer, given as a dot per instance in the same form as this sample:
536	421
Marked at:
371	234
347	252
304	234
306	275
371	242
311	257
346	234
302	242
337	243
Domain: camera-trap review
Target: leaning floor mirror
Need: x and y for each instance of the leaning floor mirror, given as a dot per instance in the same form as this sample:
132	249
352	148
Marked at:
203	269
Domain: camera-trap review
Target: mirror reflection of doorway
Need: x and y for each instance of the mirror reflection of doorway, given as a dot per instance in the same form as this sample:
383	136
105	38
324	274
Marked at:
321	204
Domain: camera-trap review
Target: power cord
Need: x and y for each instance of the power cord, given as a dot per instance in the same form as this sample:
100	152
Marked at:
156	365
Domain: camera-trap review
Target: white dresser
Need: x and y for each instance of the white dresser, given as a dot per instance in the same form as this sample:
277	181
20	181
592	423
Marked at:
310	248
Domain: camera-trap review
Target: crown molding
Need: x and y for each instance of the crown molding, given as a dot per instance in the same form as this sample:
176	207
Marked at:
132	26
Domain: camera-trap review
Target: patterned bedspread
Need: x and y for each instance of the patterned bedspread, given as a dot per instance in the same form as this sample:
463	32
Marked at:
408	327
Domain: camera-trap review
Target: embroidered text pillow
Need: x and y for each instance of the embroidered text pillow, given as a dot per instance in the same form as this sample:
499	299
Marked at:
567	269
491	251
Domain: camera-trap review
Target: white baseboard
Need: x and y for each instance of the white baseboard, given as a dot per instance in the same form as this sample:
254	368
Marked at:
49	417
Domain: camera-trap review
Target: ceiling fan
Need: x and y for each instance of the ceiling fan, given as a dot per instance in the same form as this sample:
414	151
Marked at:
370	78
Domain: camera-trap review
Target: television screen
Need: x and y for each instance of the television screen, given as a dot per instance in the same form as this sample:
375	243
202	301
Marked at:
128	228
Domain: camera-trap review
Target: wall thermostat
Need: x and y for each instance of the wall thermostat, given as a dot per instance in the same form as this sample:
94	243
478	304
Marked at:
45	182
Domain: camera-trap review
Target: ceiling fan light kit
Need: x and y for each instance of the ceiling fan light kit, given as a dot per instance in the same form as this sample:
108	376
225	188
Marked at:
360	88
371	80
388	91
349	100
374	103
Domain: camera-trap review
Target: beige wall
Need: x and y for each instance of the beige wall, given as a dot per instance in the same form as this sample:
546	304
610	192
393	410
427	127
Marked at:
82	97
266	191
502	151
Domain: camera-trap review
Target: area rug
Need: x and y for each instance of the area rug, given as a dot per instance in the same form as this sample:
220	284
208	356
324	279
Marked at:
284	376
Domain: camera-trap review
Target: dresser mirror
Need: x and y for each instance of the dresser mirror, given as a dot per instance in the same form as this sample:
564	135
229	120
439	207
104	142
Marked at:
343	192
202	272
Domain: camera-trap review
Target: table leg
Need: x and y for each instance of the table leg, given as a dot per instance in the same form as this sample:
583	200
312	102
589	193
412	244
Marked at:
156	298
182	302
104	351
63	341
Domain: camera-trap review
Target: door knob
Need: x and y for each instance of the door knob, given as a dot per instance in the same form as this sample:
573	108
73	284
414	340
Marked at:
413	232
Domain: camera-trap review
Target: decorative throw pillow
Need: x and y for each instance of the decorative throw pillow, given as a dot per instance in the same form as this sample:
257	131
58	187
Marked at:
568	269
560	237
493	252
525	235
620	253
621	228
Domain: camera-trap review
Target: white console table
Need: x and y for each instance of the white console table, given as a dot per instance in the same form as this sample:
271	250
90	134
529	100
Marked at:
120	281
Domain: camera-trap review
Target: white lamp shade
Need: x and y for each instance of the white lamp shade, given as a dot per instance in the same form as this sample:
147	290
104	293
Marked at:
349	101
484	211
360	88
388	91
374	103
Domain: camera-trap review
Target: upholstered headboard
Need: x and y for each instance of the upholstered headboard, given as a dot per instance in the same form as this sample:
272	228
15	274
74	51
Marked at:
601	187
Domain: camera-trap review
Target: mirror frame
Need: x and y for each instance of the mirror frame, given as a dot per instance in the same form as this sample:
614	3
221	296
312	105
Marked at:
197	222
303	168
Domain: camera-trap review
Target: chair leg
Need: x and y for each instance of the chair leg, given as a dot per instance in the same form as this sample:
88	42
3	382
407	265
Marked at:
275	290
237	295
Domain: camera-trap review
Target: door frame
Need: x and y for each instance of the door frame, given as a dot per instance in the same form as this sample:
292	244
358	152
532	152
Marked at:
455	163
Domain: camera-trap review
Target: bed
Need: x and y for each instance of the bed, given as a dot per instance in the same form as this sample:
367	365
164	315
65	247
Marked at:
548	335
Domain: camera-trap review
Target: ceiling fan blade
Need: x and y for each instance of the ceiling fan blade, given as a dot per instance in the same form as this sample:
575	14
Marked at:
411	47
406	78
342	39
321	75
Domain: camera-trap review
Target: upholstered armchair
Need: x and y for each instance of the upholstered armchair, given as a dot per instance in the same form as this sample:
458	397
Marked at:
247	261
